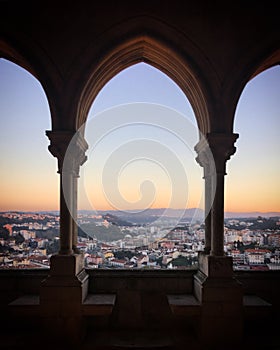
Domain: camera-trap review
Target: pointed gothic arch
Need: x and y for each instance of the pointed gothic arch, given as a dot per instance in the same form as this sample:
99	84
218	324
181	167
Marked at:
145	48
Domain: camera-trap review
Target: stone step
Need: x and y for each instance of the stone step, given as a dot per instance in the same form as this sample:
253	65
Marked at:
188	305
94	304
98	304
26	305
184	304
255	307
130	339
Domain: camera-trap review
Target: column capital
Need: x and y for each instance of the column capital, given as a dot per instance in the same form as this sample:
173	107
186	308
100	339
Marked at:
222	148
69	148
205	157
214	150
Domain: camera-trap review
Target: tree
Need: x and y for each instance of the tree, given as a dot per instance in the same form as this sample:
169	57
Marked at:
122	254
4	233
19	239
53	247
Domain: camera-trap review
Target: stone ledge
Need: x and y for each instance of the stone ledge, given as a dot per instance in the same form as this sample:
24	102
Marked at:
94	304
26	300
98	304
184	304
26	305
254	300
256	308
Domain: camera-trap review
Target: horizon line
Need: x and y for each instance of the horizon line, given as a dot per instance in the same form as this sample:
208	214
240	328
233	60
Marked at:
129	210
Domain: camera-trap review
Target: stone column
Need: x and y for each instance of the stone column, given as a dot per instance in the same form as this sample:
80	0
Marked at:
206	160
75	215
78	152
64	290
66	226
215	287
69	149
222	147
208	211
60	141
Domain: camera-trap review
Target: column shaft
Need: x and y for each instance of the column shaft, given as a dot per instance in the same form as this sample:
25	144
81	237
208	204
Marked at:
69	148
217	244
208	210
74	214
66	188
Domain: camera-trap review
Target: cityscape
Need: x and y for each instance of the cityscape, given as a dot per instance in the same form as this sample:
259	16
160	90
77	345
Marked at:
110	240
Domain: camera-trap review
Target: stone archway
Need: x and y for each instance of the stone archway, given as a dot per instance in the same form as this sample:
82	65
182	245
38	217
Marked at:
159	45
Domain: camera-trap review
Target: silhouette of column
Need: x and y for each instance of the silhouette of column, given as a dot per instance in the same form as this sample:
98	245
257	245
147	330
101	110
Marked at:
79	148
222	147
208	211
206	160
65	213
69	148
74	214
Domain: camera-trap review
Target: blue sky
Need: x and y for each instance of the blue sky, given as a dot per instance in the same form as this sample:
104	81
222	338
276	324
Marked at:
28	171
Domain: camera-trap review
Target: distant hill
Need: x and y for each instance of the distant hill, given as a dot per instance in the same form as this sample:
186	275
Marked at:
190	213
253	214
168	212
149	215
116	220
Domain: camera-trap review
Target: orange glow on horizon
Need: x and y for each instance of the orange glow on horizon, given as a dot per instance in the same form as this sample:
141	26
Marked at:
36	196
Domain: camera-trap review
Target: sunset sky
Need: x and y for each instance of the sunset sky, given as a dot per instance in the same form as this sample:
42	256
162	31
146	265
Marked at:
141	132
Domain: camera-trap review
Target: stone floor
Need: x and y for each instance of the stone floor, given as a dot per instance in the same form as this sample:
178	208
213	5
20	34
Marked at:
15	339
24	333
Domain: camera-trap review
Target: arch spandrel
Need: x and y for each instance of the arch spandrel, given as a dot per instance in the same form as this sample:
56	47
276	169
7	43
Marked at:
28	55
243	73
151	49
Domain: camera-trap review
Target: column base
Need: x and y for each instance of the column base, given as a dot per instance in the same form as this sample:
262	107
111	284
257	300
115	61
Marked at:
215	266
66	265
61	296
221	299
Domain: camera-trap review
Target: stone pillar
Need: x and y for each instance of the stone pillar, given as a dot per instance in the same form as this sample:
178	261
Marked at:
206	160
209	188
58	148
222	147
75	215
213	153
78	153
215	287
69	149
217	218
64	290
65	214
